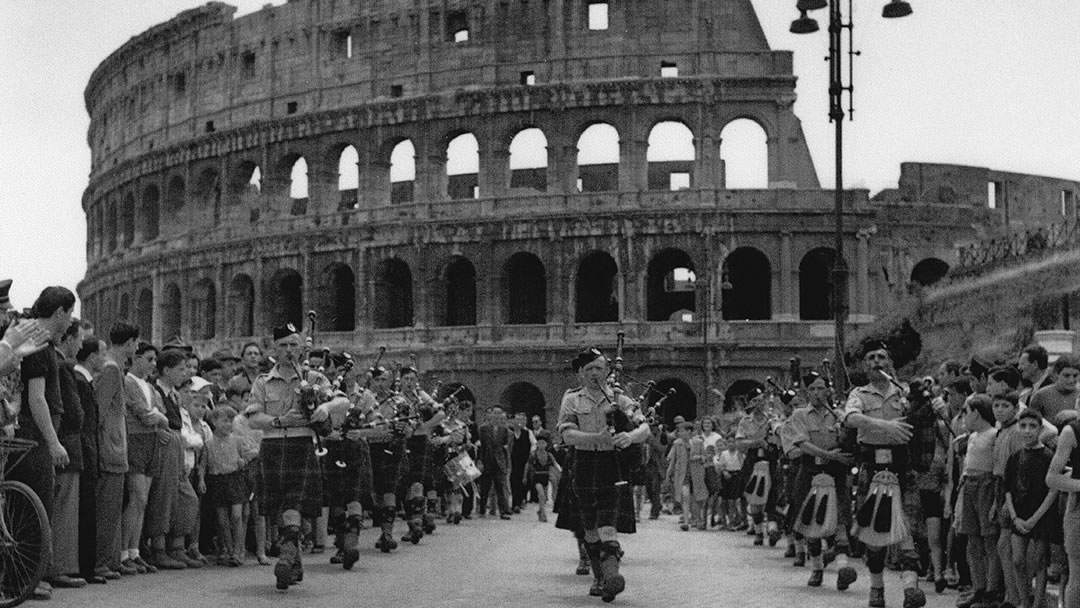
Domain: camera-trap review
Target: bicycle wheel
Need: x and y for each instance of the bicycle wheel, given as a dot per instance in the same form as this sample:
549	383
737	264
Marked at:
25	542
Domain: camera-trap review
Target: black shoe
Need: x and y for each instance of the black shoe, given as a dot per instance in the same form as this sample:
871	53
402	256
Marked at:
759	541
914	598
816	578
504	516
790	551
94	579
274	550
940	585
800	560
844	577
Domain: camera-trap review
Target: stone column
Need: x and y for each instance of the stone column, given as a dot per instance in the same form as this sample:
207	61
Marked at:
157	321
258	299
633	162
788	306
494	178
562	173
221	313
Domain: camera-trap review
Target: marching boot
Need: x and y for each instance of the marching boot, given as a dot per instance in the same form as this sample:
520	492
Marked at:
288	565
386	542
414	512
432	508
593	551
583	559
338	555
350	553
614	583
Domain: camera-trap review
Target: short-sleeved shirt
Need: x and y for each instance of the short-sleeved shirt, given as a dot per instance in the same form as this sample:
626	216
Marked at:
42	364
817	426
1025	479
581	411
980	452
1050	402
871	402
1007	443
277	396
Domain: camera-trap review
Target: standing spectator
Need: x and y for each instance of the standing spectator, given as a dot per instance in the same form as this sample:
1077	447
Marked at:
39	416
495	442
1057	402
109	393
225	486
89	361
1064	476
540	463
65	521
655	467
522	446
1034	373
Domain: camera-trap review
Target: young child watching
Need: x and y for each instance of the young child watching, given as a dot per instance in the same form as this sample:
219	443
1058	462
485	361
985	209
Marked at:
225	484
1030	506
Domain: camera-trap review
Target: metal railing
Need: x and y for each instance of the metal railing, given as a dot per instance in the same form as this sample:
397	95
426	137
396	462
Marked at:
1016	248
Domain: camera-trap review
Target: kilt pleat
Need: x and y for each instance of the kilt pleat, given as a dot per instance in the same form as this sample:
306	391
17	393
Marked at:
291	477
600	501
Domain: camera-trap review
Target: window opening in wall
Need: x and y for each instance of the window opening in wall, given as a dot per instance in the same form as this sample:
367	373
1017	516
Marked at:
744	148
680	181
256	180
528	78
457	26
528	160
598	159
180	83
463	167
680	279
670	156
298	179
291	107
668	69
1068	204
247	62
993	192
598	16
461	36
397	90
210	126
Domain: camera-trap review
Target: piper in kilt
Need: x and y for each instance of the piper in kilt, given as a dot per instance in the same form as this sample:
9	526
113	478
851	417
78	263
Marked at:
386	441
753	438
292	481
421	498
604	500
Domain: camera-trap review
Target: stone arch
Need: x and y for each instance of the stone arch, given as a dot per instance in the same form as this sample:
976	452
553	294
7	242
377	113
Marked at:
242	306
393	305
816	284
597	297
124	310
285	298
525	297
127	220
671	285
348	182
929	271
682	403
171	312
150	224
524	397
339	297
529	159
671	156
111	227
463	167
401	160
746	281
175	195
299	174
460	280
744	150
246	183
208	193
204	310
144	313
598	158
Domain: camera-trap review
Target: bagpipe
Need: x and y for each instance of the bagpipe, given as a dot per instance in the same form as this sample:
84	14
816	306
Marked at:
355	417
848	436
310	396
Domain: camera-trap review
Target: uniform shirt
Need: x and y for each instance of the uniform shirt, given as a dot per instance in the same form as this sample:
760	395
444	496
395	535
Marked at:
276	396
817	426
980	452
376	408
1007	443
754	428
871	402
580	411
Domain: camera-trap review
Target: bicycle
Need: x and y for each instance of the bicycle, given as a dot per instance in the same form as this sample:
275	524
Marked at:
25	534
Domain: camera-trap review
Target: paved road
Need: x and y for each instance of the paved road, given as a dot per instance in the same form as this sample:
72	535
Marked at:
489	562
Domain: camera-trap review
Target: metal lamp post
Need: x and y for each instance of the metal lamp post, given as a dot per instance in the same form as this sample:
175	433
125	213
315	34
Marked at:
807	25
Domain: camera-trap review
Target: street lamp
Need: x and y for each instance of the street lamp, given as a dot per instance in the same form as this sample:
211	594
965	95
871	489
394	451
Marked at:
806	25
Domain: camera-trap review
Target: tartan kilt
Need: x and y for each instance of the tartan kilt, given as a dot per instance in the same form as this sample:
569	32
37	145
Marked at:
386	460
347	473
803	479
565	500
600	502
418	465
291	477
774	489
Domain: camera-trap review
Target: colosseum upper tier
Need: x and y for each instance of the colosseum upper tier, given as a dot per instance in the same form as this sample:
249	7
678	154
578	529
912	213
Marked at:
489	185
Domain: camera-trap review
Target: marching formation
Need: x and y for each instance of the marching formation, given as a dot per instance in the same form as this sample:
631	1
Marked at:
152	458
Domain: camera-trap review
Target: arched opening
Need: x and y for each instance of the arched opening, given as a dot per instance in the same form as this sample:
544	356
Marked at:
816	285
402	172
526	290
744	148
746	281
298	179
929	271
348	169
460	293
735	397
204	310
111	227
144	314
393	306
523	397
124	312
127	220
171	312
339	306
150	219
671	156
598	159
671	285
174	195
529	160
208	194
246	184
284	298
682	403
463	167
242	306
597	297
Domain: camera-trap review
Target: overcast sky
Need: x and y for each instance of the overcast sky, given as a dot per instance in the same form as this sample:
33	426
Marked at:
979	82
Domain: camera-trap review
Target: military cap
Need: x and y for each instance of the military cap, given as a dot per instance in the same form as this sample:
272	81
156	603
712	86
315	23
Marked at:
284	331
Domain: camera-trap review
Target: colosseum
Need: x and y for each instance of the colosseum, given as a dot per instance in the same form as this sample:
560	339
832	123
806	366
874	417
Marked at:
491	185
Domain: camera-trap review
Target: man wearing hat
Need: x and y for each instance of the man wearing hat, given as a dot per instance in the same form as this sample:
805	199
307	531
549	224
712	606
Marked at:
292	483
877	411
